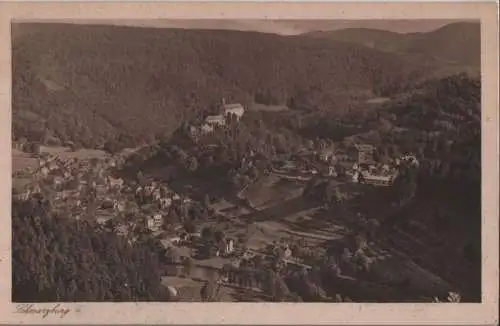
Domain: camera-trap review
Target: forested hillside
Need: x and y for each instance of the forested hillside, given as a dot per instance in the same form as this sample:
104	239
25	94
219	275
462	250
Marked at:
458	43
98	84
440	121
56	258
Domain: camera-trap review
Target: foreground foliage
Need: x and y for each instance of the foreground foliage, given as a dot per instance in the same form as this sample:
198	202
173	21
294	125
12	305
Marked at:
59	259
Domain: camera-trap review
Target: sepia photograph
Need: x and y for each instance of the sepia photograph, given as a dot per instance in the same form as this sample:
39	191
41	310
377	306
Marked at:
247	161
288	162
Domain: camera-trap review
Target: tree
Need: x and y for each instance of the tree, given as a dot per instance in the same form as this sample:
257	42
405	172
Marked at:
453	297
111	146
219	236
192	164
361	242
189	226
210	291
206	201
93	265
207	234
373	227
188	265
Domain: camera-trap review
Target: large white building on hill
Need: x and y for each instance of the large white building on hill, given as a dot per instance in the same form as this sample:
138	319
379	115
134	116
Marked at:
233	108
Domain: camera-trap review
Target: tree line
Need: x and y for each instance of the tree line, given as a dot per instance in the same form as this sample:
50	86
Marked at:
57	258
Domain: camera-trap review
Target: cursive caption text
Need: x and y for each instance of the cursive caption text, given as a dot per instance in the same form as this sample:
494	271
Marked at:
30	309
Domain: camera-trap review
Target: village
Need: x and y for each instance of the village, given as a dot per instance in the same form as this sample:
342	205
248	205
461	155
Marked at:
227	241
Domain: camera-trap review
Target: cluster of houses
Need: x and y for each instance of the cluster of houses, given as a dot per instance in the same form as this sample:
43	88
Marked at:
359	165
86	188
70	182
367	170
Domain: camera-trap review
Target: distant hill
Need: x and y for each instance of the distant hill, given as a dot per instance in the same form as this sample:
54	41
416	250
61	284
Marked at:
458	43
99	84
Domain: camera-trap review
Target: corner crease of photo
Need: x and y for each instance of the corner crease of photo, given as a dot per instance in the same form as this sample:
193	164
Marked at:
216	164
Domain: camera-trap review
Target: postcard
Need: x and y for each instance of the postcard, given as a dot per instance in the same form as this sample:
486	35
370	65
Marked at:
249	163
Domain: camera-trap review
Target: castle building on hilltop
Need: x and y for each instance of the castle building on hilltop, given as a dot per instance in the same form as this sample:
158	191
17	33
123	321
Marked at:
234	108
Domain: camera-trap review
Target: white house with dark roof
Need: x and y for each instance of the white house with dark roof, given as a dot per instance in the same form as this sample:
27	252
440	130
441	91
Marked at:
206	128
212	120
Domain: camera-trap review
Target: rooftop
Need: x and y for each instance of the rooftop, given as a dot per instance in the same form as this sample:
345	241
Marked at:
215	119
232	106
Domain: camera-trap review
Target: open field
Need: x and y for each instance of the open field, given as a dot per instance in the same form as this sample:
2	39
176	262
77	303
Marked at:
271	190
298	218
21	160
189	291
64	152
378	100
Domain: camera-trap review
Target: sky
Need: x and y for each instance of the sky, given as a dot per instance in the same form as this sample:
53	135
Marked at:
284	27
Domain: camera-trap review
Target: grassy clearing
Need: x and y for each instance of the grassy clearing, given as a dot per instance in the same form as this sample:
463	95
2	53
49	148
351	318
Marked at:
22	162
271	191
268	108
65	152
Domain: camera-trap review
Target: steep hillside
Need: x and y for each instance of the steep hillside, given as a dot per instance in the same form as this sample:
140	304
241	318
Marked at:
99	84
457	43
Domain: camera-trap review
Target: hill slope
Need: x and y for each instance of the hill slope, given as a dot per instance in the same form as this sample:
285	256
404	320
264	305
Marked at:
456	43
96	84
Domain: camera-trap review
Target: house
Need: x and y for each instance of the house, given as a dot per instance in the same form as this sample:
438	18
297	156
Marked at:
410	159
57	181
62	195
122	230
44	171
229	246
193	130
155	223
206	128
103	219
378	180
52	166
156	195
67	174
215	120
355	177
327	154
165	202
150	224
119	206
365	153
115	183
287	253
158	219
174	240
194	236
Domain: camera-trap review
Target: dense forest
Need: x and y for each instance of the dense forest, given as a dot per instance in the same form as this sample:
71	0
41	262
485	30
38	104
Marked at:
118	86
56	258
457	42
